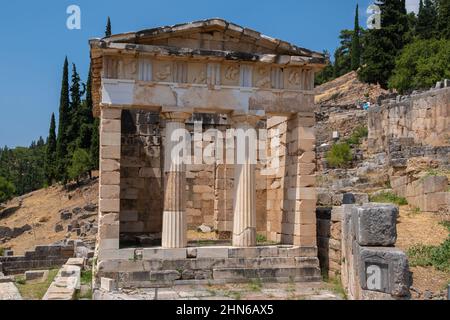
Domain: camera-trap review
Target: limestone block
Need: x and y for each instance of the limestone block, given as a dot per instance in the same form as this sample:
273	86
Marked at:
306	169
107	165
306	241
434	184
108	284
375	224
384	269
434	202
109	178
212	252
109	205
243	253
109	113
110	192
110	139
116	254
109	231
164	254
110	152
108	125
76	262
108	244
36	275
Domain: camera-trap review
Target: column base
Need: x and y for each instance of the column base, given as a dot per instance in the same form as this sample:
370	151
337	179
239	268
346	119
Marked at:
245	239
174	234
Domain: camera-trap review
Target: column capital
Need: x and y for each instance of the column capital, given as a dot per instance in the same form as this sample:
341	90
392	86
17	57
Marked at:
246	118
176	116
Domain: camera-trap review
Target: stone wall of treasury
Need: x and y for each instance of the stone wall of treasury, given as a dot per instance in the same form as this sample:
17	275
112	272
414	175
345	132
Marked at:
209	187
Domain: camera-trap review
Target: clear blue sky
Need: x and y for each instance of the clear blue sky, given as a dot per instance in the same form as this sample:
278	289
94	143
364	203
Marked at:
35	41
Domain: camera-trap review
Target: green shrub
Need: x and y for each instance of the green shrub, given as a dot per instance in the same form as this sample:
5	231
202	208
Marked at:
340	155
389	197
2	252
421	64
7	190
358	134
436	256
80	164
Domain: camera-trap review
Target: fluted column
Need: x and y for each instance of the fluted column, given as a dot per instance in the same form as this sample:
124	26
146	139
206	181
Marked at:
174	233
244	199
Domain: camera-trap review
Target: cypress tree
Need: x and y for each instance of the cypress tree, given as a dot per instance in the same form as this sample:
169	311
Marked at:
443	20
64	118
356	45
426	20
95	144
50	152
108	31
75	109
382	46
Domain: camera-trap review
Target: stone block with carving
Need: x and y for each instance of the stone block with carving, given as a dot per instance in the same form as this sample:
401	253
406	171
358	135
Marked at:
375	224
384	270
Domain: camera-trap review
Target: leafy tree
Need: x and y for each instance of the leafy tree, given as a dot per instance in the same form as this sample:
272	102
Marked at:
426	20
356	45
50	153
327	73
421	65
342	57
443	19
108	31
7	190
80	164
64	122
382	46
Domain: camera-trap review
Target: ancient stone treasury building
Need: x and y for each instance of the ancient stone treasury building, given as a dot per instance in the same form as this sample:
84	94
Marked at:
205	123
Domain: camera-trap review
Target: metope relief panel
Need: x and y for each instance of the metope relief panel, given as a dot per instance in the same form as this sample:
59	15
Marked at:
294	78
110	68
197	73
261	77
127	69
145	70
162	71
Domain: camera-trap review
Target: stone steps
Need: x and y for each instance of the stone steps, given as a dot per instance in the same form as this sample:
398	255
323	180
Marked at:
297	269
297	274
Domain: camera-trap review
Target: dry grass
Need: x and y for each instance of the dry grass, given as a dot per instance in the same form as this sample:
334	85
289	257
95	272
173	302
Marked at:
422	229
34	290
40	210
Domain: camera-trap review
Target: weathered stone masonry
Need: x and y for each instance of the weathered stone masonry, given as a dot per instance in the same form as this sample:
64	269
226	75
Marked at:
149	83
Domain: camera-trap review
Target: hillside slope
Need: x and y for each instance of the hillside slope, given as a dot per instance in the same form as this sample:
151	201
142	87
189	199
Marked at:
347	90
39	212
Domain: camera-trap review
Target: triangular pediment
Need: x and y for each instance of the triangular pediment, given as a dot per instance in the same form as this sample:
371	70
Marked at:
213	34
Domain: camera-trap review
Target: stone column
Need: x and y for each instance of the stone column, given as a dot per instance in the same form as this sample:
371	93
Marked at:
244	198
174	233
